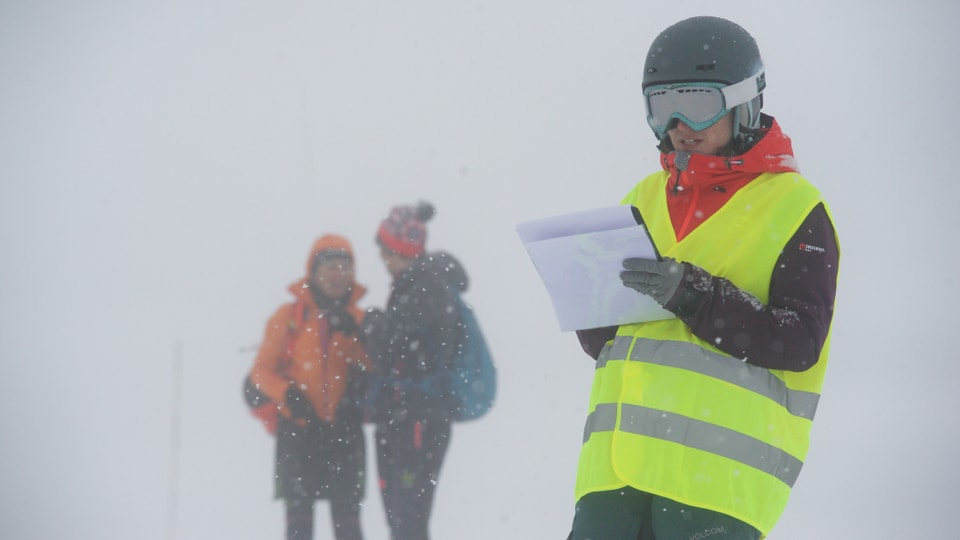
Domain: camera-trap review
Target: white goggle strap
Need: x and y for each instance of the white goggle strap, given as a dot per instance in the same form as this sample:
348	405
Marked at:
744	91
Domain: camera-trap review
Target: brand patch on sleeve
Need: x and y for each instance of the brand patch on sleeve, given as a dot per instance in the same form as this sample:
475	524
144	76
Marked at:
810	248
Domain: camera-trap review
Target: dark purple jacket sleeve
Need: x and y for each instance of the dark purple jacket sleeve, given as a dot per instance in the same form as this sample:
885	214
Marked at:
789	332
594	339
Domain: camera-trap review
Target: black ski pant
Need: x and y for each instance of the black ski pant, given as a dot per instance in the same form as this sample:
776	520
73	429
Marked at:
409	456
629	514
344	514
320	461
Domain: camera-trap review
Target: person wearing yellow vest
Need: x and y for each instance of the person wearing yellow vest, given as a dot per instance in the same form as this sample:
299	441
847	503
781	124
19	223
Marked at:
698	425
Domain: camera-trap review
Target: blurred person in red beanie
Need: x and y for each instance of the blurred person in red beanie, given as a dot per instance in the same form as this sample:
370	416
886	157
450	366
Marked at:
308	384
411	344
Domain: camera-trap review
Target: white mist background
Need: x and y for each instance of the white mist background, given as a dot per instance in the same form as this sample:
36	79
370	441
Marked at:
164	168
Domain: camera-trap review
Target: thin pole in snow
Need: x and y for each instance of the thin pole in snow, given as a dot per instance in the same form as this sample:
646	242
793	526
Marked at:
174	443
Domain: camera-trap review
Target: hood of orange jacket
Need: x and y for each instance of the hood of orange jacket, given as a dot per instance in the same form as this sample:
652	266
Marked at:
302	289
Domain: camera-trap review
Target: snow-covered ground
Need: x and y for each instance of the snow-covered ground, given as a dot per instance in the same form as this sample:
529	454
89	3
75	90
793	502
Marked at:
164	167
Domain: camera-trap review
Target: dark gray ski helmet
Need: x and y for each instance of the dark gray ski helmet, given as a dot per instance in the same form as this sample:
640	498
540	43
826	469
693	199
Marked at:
709	50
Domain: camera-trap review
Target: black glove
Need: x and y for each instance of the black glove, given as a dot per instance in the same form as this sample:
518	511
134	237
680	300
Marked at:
350	410
300	407
357	383
340	320
373	335
657	279
252	395
372	320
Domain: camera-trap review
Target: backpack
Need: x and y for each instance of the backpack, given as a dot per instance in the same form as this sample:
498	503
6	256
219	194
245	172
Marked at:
473	374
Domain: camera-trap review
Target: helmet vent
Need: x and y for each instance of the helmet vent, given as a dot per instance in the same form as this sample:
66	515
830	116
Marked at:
707	67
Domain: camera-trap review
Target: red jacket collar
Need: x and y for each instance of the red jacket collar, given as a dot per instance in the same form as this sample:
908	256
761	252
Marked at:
772	153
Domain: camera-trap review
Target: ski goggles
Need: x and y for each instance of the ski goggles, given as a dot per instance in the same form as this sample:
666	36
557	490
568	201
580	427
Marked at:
698	105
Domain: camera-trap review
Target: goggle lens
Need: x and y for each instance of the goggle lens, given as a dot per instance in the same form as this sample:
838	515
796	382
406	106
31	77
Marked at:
697	106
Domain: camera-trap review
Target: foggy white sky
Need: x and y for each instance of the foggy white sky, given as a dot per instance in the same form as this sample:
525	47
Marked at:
165	166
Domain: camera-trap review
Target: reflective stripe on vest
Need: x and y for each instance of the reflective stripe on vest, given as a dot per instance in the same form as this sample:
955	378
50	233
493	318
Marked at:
696	434
680	354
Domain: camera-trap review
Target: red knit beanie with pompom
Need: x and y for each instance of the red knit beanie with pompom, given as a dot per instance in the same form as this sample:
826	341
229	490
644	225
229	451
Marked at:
404	231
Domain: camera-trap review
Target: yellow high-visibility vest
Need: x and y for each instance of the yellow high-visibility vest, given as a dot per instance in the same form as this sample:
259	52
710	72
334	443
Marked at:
671	414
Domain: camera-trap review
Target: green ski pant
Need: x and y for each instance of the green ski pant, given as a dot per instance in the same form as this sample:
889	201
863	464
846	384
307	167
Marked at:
630	514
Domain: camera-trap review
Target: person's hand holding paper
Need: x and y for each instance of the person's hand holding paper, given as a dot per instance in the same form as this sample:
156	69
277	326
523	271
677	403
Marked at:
657	279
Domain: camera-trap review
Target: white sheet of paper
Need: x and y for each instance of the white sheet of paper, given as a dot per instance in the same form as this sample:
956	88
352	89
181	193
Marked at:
580	256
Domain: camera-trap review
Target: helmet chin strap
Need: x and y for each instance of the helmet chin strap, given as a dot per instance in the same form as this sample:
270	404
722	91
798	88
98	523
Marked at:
746	123
738	117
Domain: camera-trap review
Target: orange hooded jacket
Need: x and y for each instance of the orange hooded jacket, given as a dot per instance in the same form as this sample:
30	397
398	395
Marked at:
297	349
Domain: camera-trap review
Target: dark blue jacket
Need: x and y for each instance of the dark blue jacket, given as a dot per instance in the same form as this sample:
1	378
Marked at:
413	341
